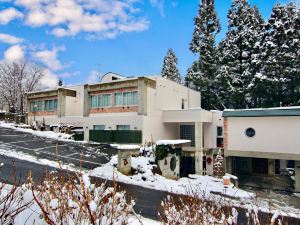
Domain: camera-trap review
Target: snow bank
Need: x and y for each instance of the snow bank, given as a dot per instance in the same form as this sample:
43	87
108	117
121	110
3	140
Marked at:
172	142
144	177
45	134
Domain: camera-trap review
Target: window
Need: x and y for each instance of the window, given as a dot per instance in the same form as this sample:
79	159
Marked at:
187	132
220	142
99	127
220	131
118	99
130	98
94	101
250	132
123	127
36	106
103	100
51	105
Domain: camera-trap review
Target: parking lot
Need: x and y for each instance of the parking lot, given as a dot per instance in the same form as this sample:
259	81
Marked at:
86	156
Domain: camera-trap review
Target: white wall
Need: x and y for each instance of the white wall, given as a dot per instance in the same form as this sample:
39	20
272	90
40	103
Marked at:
74	106
210	129
273	134
169	95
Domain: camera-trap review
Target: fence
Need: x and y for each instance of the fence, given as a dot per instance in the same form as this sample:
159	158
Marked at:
10	117
78	136
116	136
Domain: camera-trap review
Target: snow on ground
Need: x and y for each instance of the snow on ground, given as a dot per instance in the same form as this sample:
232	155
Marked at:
30	158
45	134
147	179
207	186
32	214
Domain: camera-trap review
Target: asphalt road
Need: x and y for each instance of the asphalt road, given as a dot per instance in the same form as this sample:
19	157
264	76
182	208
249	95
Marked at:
147	200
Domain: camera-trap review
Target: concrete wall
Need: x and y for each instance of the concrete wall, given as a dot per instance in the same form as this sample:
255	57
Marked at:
275	137
164	166
74	106
210	130
169	95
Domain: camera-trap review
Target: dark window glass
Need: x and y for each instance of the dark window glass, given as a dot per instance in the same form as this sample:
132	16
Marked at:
250	132
220	142
219	131
187	132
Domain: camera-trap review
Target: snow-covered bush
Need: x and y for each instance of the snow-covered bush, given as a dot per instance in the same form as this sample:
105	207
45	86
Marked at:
12	202
75	200
187	210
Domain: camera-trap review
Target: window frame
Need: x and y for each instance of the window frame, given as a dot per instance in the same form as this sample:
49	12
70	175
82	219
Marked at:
52	105
137	103
121	99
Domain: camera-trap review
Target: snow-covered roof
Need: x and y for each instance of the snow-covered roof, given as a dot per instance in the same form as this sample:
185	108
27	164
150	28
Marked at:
172	142
126	147
263	112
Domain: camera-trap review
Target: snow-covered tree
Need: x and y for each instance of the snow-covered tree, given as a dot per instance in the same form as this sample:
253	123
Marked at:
219	165
170	70
201	75
60	83
280	50
239	51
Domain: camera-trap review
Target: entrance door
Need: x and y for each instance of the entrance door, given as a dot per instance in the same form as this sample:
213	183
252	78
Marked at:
187	166
260	166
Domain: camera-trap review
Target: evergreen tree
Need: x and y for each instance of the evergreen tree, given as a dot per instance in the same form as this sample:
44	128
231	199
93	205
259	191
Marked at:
219	165
239	51
201	75
280	73
60	83
170	70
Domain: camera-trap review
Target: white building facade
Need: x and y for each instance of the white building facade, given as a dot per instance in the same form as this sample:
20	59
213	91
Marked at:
262	141
154	106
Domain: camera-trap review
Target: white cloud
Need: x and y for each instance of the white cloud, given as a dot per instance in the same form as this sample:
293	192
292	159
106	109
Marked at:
14	53
159	4
9	14
100	18
49	58
49	80
9	39
93	77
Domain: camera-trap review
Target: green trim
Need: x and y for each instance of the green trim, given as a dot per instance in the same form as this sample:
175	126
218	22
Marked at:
262	112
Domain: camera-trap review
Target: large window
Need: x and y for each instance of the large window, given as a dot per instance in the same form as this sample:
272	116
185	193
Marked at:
187	132
118	99
123	127
51	105
99	127
36	106
102	100
130	98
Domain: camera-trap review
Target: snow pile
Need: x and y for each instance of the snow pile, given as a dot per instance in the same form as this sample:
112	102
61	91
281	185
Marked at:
45	134
145	177
172	142
125	147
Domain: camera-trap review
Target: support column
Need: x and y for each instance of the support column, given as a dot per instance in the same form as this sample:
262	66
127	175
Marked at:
198	148
142	104
86	134
271	167
61	109
86	101
228	165
283	164
297	176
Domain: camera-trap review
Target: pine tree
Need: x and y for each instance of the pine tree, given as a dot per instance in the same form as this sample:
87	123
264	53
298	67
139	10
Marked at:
219	165
201	75
60	83
238	55
170	70
280	73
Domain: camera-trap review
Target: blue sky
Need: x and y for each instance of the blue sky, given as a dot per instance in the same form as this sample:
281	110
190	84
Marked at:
130	37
